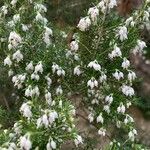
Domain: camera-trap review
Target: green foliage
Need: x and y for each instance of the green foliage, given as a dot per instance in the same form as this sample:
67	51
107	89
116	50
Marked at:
45	70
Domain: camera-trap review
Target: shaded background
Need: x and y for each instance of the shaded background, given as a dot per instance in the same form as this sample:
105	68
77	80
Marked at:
67	11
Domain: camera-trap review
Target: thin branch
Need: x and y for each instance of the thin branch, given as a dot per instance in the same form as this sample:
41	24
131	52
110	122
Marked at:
6	102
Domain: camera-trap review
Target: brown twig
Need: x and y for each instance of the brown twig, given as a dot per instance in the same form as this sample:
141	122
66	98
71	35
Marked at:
6	102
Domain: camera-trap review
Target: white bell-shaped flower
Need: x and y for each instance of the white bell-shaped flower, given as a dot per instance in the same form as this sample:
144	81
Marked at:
125	63
14	39
39	68
127	90
78	140
49	80
84	23
59	90
94	13
146	16
55	67
106	108
35	91
30	66
4	10
18	56
118	75
141	45
26	110
122	33
25	28
74	46
131	76
10	72
48	97
109	99
100	118
94	64
103	77
52	116
25	143
48	146
115	53
39	17
16	18
45	120
12	146
13	2
60	72
112	3
7	61
35	76
91	117
102	131
121	108
132	134
53	144
39	122
77	70
28	91
129	21
92	83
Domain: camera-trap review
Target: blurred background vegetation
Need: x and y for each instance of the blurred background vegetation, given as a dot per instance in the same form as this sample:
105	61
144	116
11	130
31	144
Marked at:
67	11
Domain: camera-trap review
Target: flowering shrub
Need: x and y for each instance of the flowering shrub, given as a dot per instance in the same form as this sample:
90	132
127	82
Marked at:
28	43
96	65
103	68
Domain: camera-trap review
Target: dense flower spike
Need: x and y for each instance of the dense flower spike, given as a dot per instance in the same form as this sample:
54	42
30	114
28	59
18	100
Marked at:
109	45
44	109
